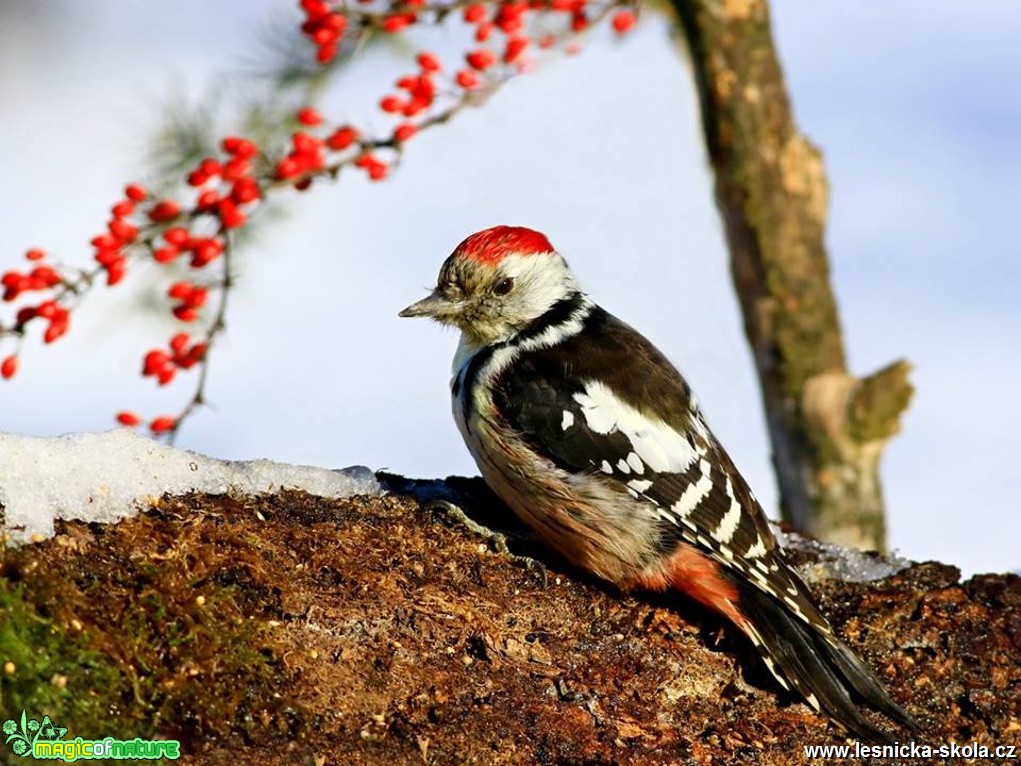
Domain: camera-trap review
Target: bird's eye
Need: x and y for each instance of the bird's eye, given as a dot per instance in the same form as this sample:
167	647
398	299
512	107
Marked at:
504	286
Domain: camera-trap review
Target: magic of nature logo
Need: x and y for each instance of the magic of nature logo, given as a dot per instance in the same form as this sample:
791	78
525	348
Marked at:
44	740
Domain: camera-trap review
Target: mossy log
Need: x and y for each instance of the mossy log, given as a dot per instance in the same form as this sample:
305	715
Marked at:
290	629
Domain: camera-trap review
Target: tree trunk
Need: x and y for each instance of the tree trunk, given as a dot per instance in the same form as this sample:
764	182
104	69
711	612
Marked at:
827	427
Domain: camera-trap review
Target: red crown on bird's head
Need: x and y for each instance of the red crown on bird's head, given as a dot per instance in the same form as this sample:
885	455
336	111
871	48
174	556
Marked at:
490	246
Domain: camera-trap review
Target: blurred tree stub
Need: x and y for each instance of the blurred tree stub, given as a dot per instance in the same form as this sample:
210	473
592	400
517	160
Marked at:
827	427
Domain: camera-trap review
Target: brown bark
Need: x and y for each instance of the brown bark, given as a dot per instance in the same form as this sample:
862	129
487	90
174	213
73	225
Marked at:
290	629
827	427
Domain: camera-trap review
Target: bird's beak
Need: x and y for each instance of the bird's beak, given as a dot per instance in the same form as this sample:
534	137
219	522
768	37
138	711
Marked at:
433	305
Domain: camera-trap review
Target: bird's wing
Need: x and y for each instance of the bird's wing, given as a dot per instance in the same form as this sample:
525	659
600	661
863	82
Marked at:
607	402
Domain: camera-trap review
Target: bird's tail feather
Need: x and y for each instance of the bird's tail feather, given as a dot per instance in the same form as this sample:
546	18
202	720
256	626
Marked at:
818	666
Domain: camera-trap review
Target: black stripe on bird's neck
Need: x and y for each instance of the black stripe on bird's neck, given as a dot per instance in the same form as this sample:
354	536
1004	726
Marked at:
560	313
572	308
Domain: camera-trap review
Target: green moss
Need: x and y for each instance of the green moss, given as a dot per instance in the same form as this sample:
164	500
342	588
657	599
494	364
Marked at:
53	673
154	649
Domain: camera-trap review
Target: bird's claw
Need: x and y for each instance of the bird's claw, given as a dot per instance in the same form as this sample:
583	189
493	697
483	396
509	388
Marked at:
496	540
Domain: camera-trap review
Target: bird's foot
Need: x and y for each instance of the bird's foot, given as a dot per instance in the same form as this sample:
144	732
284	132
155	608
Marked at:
497	540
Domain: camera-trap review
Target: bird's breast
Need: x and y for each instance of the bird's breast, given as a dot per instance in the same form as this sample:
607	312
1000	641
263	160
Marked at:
593	524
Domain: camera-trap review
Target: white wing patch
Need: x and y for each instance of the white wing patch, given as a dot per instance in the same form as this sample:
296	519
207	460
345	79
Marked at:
694	493
731	519
756	550
656	445
636	463
568	420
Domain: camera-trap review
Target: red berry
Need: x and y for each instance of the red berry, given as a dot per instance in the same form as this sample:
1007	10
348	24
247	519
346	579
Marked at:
394	24
288	167
165	254
467	79
391	104
205	252
123	209
9	367
474	13
177	235
304	143
429	62
135	192
43	277
424	89
404	131
481	59
105	242
128	419
115	271
326	53
179	341
35	254
245	190
515	47
123	230
56	329
623	21
229	214
164	210
314	8
413	107
162	424
207	199
155	361
483	32
378	171
239	147
342	138
236	169
309	116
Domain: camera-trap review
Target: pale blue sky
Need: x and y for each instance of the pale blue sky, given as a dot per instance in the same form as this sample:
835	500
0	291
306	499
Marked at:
915	106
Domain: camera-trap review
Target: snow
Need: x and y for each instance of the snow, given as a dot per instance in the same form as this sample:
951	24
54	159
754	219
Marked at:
839	563
107	476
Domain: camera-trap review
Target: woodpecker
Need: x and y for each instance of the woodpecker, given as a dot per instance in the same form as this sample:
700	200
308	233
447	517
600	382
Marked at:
593	438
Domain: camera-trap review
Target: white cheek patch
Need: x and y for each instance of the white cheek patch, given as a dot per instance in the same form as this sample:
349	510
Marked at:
541	280
656	445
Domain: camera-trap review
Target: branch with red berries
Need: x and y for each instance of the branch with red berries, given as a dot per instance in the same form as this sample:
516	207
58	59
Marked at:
194	226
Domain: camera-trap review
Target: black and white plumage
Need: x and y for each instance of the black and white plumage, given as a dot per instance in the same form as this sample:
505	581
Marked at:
595	440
